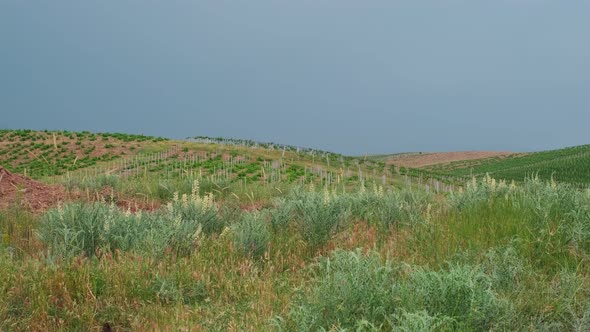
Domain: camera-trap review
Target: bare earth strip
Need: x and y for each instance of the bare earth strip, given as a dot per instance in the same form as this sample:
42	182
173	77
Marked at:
416	160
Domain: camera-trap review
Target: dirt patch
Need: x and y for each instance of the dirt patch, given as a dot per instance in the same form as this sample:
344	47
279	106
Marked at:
16	189
417	160
31	194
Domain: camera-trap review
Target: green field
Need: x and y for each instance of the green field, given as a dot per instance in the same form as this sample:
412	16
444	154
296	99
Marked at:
265	238
569	165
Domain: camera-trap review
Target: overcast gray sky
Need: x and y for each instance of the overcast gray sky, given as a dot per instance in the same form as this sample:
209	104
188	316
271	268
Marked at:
349	76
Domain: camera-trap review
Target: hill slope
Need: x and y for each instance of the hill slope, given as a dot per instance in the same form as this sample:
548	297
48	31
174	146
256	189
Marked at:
150	167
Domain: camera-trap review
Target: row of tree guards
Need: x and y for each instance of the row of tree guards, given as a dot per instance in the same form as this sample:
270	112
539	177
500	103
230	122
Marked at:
222	167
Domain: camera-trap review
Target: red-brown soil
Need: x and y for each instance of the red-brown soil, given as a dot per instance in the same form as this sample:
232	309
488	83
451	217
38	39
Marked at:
34	195
38	197
416	160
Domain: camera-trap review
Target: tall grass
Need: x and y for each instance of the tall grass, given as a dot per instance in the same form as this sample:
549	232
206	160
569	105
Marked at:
351	287
251	235
17	231
78	228
319	216
281	215
493	256
345	288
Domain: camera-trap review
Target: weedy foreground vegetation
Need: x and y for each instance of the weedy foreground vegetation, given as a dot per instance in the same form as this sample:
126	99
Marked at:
490	257
289	246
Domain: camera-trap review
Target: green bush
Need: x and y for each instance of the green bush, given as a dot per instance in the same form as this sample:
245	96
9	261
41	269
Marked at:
477	192
196	210
404	207
319	216
505	268
461	293
346	288
280	215
78	228
351	289
388	208
251	236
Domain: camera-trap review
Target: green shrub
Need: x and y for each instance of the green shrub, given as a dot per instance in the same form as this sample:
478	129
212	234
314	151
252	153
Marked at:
462	293
388	208
251	236
346	288
477	192
78	228
351	288
281	215
166	291
505	268
197	210
567	312
319	216
362	204
406	207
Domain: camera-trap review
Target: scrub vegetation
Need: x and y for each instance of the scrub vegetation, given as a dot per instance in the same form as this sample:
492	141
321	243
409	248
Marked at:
330	251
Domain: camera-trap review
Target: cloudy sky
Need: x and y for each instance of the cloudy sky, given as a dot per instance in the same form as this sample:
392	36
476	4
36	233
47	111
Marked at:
353	77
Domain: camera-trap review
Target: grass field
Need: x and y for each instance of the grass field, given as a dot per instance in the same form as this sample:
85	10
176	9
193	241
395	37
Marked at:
242	239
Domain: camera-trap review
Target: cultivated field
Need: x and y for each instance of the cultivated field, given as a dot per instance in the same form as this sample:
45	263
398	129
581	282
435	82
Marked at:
419	160
569	165
228	235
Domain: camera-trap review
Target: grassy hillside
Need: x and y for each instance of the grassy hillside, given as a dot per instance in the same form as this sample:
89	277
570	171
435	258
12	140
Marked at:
151	169
251	237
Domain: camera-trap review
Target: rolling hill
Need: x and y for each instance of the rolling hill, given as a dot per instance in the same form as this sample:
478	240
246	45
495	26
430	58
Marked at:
121	232
150	167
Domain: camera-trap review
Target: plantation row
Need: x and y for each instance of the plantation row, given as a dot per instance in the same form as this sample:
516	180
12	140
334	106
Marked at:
492	256
157	175
269	145
81	155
